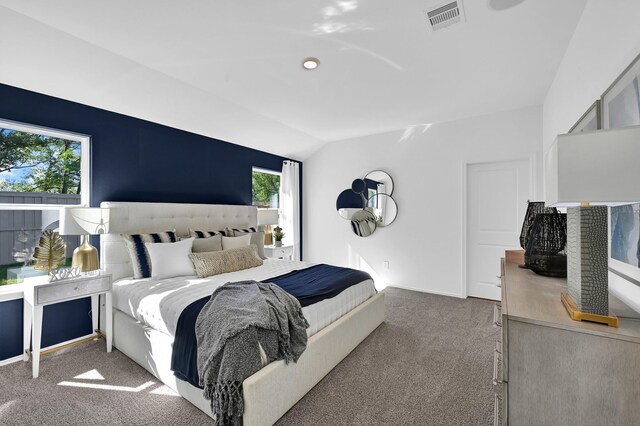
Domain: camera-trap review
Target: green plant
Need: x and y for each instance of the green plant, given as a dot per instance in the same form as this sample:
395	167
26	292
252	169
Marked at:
278	235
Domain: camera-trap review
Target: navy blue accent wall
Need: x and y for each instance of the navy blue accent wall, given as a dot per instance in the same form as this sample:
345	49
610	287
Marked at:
11	328
131	160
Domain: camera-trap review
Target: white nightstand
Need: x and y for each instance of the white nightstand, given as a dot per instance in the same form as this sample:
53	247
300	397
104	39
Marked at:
38	292
283	252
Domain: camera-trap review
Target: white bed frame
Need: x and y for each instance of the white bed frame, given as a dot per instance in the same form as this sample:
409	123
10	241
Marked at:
273	390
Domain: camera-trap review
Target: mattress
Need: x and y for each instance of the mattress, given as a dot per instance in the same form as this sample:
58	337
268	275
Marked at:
158	303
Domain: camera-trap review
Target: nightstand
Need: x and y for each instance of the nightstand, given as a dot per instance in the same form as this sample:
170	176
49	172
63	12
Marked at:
283	252
38	292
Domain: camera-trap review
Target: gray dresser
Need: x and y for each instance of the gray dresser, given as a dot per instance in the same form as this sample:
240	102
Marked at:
556	371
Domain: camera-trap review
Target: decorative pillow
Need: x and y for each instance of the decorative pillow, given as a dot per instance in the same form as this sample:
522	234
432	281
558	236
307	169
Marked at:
207	234
138	252
171	259
229	243
242	231
220	262
207	244
257	238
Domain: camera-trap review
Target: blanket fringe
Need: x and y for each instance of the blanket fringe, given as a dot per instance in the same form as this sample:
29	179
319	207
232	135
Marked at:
226	400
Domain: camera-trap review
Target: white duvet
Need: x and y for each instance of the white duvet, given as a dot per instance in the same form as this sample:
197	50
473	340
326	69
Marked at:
159	303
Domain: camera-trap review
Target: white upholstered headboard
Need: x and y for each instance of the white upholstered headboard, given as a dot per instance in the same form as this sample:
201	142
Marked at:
134	218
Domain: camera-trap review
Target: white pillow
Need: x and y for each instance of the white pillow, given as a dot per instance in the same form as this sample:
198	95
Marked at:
171	259
229	243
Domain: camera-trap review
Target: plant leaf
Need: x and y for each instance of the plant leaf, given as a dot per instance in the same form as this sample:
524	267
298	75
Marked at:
50	251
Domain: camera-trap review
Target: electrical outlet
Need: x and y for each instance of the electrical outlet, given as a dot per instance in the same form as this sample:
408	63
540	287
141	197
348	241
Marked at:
386	264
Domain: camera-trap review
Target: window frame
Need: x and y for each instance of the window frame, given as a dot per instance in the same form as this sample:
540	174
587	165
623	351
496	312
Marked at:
85	163
16	291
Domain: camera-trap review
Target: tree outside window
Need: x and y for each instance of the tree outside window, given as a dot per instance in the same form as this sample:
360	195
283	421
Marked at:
37	163
265	188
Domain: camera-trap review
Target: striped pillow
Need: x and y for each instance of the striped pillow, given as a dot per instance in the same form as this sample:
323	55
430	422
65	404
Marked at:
140	259
207	234
241	231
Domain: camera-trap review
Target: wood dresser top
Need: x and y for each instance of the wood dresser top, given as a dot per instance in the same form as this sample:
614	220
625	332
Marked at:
535	299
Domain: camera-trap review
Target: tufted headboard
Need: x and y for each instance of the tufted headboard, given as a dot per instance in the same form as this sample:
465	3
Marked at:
134	218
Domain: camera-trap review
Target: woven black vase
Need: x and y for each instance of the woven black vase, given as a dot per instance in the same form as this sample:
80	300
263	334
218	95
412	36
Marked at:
533	209
545	254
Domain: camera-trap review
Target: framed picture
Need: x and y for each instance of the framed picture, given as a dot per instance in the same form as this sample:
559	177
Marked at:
624	241
621	101
590	120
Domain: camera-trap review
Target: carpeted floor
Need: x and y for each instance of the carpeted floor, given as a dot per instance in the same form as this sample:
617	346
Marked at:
430	363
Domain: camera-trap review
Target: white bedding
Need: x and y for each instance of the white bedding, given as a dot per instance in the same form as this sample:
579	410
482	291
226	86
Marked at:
158	303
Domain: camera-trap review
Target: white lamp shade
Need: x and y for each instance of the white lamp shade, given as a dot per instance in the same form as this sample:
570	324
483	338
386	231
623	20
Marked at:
598	167
84	221
268	216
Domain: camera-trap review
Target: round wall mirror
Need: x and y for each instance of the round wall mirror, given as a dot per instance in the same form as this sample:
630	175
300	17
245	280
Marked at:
358	186
348	203
383	208
378	182
363	223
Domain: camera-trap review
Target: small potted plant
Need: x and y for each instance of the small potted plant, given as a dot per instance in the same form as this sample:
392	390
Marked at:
278	235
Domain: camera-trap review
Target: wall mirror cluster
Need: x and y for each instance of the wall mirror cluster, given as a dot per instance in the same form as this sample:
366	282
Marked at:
368	203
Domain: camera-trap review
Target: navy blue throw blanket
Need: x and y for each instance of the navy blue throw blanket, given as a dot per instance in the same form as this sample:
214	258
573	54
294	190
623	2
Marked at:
309	286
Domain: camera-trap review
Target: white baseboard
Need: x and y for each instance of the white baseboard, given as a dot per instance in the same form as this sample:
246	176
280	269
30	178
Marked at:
68	342
10	360
421	290
57	345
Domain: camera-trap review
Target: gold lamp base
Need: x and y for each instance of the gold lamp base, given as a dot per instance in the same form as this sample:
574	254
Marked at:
268	235
577	315
85	257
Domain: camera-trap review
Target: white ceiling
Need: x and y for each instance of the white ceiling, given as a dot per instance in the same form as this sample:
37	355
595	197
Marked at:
232	69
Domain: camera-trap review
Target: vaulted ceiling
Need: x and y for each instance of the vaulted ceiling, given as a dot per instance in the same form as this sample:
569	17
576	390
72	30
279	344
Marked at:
232	69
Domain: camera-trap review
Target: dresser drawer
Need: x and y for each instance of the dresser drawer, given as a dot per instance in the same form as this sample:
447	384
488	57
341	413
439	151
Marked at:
278	252
57	292
281	252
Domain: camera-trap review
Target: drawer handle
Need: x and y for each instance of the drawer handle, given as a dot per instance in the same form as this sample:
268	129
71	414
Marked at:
497	402
76	288
496	363
497	313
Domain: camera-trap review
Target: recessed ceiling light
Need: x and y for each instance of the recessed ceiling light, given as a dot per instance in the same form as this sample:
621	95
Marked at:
310	63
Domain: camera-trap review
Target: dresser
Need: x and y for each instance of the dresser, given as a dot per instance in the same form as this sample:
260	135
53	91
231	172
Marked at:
556	371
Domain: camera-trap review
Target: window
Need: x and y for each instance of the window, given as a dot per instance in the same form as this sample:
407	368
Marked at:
40	171
265	188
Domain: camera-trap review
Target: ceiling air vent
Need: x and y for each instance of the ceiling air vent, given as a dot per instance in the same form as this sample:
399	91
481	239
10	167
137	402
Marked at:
445	15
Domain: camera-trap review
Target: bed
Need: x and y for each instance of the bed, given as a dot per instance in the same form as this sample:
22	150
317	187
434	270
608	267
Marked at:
146	311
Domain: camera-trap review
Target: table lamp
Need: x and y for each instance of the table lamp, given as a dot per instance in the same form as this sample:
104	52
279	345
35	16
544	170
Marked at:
586	172
84	221
268	217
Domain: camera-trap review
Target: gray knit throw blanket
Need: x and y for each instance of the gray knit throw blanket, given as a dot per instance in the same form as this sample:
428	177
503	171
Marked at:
237	318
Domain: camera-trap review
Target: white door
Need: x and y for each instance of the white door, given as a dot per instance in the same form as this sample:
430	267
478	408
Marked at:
497	195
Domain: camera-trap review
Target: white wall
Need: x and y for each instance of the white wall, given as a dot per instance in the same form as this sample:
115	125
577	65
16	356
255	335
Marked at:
605	42
424	245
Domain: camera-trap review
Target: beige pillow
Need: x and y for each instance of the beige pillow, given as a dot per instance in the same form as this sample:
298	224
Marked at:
257	238
220	262
207	244
229	243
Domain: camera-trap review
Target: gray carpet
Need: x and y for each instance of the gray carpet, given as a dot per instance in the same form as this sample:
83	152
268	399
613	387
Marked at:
430	363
